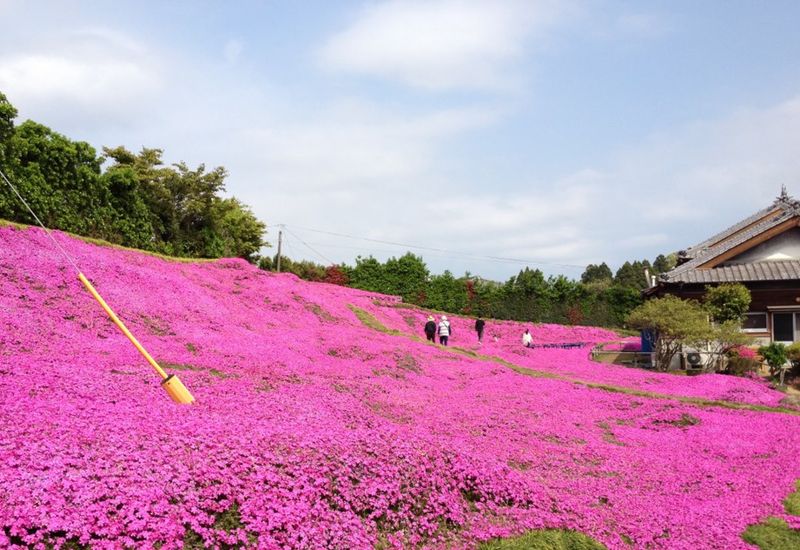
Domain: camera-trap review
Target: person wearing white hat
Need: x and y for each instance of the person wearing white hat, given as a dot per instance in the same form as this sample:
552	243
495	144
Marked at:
430	329
444	330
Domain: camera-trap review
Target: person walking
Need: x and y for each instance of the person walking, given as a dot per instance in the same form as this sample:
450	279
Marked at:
430	329
444	330
527	339
479	325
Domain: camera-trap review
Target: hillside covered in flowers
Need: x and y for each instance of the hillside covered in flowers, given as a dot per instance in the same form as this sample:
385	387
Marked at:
324	420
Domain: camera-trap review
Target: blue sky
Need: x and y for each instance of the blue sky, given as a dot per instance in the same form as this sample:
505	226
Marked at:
562	133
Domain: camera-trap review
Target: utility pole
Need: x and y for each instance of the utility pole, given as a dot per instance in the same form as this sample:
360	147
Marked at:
280	239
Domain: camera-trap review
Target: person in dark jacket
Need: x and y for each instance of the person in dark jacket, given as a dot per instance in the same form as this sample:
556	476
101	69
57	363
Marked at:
479	325
430	329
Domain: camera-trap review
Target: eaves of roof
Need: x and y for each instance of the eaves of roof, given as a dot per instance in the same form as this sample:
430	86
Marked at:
785	270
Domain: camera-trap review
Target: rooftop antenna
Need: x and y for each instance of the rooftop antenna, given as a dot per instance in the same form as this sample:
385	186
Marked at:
175	388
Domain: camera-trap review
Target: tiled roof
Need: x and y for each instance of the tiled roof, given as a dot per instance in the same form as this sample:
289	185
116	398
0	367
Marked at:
699	248
785	208
785	270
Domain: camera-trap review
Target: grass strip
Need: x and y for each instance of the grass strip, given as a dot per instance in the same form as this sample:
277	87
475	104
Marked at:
545	539
774	533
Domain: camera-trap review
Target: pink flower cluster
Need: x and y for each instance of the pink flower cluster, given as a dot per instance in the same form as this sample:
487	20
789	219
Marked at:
312	430
744	352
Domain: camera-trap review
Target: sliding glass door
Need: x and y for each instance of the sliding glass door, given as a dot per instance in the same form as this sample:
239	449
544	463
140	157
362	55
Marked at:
785	327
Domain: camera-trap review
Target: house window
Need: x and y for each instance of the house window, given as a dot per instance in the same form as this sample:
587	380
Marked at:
755	322
783	327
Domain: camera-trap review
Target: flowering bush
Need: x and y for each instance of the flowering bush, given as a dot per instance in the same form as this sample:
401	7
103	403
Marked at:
312	430
742	351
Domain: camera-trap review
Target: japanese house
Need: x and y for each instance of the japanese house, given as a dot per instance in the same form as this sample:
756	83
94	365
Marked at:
763	253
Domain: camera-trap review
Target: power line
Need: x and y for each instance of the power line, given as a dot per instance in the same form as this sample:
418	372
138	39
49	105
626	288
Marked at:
501	259
436	254
288	244
330	262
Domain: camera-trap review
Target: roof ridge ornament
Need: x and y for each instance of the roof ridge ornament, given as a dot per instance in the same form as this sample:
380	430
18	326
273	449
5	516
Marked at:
788	203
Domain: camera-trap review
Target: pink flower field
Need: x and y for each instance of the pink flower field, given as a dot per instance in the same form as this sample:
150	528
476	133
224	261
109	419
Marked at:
315	429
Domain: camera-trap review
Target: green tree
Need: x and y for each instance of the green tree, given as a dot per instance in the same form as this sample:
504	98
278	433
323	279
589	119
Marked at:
236	232
367	274
407	276
727	302
597	273
130	222
631	275
446	293
675	322
725	337
59	178
775	355
187	215
619	302
7	115
136	201
662	263
526	297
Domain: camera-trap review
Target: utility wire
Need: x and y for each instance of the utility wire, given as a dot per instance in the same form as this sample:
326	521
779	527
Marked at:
47	231
288	244
442	250
330	262
392	250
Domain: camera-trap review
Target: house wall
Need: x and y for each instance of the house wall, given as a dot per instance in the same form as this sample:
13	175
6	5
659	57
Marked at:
785	246
770	298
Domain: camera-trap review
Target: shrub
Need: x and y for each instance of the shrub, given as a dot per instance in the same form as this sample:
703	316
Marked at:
743	352
775	355
793	352
741	366
724	338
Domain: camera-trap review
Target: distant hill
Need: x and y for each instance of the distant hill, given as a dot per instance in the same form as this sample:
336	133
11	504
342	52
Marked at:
324	420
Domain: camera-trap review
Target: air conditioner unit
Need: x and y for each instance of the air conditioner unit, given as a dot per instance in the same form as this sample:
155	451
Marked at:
694	360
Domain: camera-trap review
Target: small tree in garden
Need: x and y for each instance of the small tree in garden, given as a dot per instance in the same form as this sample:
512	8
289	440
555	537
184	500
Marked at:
775	355
793	353
727	302
676	323
724	338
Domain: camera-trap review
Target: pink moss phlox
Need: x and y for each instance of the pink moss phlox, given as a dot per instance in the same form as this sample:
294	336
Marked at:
313	431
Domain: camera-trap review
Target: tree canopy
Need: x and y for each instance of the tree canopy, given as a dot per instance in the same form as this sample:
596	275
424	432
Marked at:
727	302
136	201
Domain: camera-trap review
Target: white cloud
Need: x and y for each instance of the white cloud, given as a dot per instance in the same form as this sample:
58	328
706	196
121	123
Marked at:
440	45
361	170
59	78
96	73
676	189
385	171
352	146
668	192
